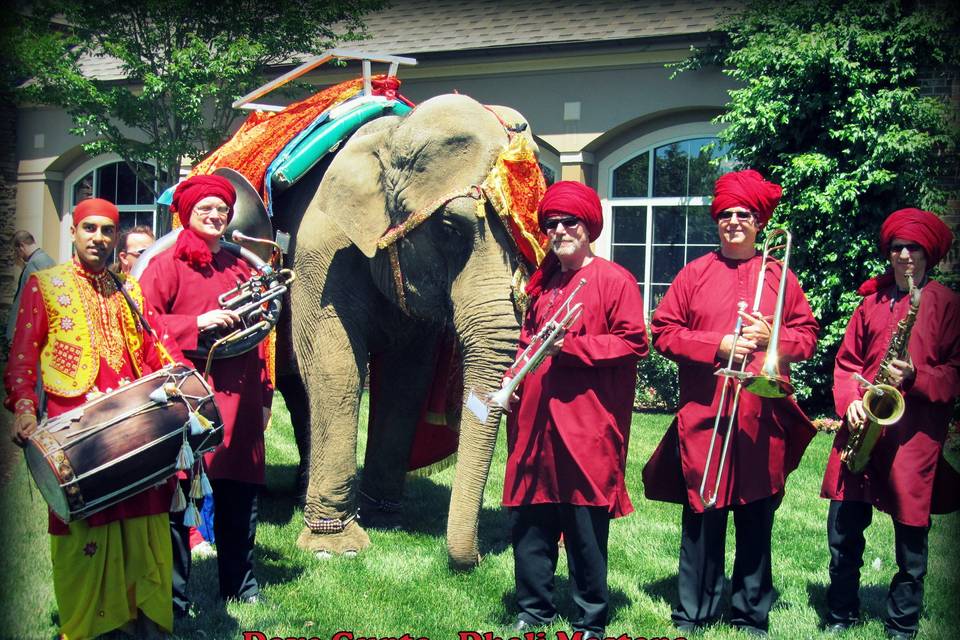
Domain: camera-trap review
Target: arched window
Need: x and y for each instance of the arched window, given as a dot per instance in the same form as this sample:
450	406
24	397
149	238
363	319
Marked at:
116	182
660	211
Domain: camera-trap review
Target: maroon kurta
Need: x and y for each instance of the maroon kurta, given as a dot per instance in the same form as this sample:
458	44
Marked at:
567	439
21	381
179	293
906	475
770	435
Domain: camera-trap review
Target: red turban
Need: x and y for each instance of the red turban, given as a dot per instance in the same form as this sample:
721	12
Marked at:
922	227
192	190
745	189
913	225
95	207
573	199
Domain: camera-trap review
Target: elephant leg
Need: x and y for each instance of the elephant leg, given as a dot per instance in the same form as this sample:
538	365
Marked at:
295	398
333	376
401	378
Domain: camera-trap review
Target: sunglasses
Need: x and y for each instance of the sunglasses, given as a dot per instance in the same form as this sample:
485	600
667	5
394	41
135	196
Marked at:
742	216
568	223
911	247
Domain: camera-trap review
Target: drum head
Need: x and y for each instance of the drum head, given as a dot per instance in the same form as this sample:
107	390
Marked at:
47	480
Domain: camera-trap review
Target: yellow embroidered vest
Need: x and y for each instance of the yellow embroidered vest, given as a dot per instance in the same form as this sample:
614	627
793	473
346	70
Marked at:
82	316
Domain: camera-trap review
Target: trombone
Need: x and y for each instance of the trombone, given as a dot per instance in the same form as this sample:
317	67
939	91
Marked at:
769	383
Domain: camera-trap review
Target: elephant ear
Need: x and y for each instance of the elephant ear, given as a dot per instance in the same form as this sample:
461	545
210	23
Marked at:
516	122
351	192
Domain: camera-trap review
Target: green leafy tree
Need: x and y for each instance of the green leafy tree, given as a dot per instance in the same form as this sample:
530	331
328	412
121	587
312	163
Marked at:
183	63
829	106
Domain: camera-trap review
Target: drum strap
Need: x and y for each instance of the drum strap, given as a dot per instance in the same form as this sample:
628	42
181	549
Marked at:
162	352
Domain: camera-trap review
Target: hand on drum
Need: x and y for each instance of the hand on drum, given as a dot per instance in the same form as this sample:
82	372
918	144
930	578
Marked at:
24	425
217	319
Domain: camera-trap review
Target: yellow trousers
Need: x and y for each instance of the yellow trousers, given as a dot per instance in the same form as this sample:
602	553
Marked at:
103	575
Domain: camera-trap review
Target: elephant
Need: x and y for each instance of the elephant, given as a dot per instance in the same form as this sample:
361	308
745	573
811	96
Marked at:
352	300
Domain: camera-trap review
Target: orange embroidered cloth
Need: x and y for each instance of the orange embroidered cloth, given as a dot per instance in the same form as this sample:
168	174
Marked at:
264	134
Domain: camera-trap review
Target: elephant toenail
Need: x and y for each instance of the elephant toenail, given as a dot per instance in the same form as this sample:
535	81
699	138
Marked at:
350	553
324	555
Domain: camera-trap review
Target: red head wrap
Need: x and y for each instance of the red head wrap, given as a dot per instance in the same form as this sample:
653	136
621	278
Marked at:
573	199
192	190
566	198
190	247
95	207
913	225
746	189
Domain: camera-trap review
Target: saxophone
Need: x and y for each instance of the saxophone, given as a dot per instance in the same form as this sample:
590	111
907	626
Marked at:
882	402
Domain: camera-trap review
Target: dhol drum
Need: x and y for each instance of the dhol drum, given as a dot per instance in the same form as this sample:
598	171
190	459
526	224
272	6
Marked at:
122	442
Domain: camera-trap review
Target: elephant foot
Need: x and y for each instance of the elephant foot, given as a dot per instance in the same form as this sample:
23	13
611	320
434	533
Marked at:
349	542
380	514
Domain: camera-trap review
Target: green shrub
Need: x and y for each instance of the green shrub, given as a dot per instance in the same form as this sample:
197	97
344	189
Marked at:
829	107
658	388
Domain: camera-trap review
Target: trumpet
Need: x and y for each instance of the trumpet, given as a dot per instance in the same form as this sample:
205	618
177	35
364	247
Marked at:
536	351
769	383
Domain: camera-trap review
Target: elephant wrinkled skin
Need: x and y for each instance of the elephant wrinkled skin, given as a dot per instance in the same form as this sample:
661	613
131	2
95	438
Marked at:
456	268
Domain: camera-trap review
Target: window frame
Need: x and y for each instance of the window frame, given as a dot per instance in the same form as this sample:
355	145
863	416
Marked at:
646	144
91	166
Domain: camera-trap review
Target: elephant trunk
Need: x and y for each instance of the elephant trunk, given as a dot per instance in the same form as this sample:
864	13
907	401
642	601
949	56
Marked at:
488	331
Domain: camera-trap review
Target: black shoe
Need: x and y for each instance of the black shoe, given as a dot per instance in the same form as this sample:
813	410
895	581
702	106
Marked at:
900	635
838	627
591	635
184	613
257	598
521	625
752	631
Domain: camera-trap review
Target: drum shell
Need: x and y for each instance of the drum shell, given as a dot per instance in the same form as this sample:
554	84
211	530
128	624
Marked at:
83	464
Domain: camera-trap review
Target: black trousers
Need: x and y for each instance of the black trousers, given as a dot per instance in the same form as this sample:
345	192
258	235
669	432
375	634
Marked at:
846	522
535	532
235	528
701	572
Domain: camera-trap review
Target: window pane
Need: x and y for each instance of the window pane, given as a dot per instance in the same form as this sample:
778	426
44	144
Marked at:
107	183
657	291
631	178
702	172
631	258
668	224
701	229
670	170
83	189
629	225
667	262
143	189
126	185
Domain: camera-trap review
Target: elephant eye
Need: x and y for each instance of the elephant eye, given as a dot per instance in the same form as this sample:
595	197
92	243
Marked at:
450	227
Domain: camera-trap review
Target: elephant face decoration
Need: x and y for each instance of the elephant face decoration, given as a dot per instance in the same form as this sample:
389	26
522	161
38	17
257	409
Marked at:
407	235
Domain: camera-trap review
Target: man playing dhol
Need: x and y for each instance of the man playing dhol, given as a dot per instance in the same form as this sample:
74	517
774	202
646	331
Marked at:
906	475
111	570
567	438
693	326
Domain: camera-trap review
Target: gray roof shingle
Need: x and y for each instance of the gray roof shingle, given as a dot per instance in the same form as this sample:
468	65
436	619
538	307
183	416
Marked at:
412	27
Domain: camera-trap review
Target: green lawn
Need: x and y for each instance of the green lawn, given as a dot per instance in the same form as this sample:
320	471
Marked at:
402	584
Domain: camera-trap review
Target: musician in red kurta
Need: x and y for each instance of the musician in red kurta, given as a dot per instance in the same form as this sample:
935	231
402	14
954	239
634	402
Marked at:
567	437
906	476
182	285
111	569
693	326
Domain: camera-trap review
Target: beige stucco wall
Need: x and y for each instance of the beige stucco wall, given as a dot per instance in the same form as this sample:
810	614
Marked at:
582	107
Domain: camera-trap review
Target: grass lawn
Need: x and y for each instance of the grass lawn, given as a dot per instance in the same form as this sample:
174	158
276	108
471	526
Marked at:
402	584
